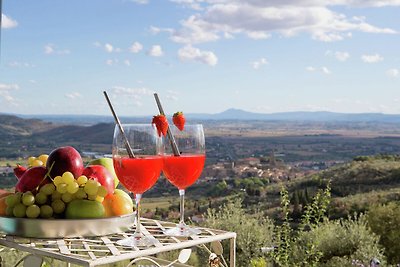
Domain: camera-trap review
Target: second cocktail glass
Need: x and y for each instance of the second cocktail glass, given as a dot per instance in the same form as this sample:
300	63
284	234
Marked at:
184	169
139	173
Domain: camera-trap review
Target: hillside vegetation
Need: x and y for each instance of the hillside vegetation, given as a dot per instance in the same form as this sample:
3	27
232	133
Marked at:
344	216
355	186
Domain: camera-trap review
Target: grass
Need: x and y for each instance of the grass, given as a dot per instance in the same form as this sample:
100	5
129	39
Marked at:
158	202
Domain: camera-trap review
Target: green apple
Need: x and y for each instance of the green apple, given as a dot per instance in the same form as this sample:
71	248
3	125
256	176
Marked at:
108	164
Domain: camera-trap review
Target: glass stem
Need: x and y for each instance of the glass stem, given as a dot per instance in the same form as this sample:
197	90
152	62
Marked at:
138	232
182	206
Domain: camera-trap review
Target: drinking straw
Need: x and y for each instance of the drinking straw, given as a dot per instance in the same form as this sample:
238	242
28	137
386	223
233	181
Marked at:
117	121
171	138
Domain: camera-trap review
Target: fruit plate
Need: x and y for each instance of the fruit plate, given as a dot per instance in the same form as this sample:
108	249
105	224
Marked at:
60	228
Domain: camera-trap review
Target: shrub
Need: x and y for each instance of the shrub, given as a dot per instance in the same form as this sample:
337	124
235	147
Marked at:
322	242
340	241
253	230
384	220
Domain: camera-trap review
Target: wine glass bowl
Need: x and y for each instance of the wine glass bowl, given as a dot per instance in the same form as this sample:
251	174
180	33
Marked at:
140	172
182	169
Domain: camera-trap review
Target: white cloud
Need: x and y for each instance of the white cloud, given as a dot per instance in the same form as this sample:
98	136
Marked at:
5	93
111	62
117	62
73	95
258	63
48	49
108	47
190	53
131	95
342	56
132	92
370	3
136	47
393	73
372	58
325	70
141	2
258	19
155	30
228	35
327	36
7	22
17	64
259	35
51	49
155	51
193	4
8	87
194	31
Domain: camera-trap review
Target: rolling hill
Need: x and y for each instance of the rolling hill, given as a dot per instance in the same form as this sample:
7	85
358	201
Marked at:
232	114
11	125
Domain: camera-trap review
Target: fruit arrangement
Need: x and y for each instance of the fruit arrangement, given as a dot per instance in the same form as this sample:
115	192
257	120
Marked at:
58	185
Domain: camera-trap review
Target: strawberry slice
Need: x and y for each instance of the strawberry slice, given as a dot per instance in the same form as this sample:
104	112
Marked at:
161	123
179	120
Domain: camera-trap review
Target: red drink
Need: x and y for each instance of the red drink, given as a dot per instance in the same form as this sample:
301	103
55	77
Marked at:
182	171
138	174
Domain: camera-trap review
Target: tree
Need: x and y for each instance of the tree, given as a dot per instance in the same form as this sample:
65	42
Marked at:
296	205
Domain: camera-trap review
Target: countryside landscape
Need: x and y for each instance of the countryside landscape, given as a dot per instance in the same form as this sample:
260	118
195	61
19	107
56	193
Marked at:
298	99
319	188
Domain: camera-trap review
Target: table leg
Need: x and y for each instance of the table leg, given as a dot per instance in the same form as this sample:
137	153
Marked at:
232	257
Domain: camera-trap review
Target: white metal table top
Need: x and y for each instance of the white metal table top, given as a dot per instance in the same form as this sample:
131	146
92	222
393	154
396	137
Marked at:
93	251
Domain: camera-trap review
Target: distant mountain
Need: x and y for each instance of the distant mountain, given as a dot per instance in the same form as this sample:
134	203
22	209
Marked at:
101	133
11	125
318	116
231	114
85	119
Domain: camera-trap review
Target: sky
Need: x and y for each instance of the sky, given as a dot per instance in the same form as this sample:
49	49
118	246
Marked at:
200	56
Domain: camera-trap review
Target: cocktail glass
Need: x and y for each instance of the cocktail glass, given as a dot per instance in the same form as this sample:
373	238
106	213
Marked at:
140	172
184	169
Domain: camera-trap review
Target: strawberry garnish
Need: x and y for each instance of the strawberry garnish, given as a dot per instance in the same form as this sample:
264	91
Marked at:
161	123
19	171
179	120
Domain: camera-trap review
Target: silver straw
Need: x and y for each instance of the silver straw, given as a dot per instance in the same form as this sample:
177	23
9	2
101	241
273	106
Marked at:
171	138
127	145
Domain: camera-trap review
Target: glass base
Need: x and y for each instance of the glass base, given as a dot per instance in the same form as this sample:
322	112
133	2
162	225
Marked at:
182	230
137	241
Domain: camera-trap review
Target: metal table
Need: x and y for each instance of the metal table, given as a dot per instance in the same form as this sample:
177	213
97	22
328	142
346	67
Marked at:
94	251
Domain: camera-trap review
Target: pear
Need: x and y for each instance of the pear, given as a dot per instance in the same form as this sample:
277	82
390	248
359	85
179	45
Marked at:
108	164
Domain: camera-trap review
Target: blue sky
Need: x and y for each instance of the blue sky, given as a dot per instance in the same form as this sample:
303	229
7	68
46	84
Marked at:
200	56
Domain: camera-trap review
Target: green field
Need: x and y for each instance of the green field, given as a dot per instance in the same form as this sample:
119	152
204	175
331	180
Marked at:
158	202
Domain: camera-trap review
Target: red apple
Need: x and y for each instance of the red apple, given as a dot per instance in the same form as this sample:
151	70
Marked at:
65	159
102	175
32	178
